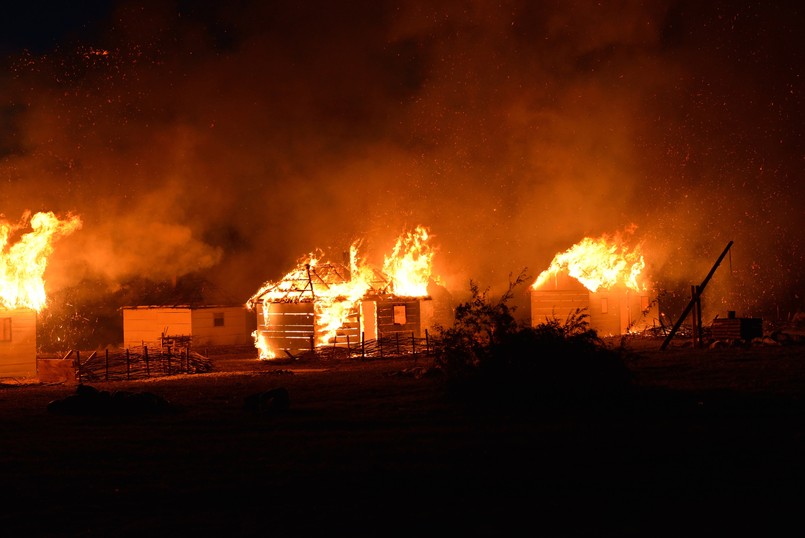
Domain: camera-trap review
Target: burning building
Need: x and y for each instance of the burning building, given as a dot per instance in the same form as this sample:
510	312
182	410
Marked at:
604	279
23	260
319	302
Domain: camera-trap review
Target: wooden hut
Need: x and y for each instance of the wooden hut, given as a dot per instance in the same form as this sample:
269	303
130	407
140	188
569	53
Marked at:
17	342
613	311
289	313
187	325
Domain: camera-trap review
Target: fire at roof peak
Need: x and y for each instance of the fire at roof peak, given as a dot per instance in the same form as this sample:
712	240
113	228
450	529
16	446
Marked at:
598	263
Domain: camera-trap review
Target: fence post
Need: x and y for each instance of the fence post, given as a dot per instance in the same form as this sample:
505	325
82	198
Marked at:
427	343
128	365
147	368
380	344
106	364
169	360
413	344
349	351
78	365
397	339
363	344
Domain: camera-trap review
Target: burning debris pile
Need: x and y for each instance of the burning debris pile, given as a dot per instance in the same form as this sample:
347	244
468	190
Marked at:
602	276
322	305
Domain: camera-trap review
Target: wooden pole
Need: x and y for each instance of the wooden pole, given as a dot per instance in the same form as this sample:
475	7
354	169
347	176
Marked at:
699	334
692	303
106	364
169	360
147	368
363	344
128	365
397	339
694	315
413	344
78	365
427	343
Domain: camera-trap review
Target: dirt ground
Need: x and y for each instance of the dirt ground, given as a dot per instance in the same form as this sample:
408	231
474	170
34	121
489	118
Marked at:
713	442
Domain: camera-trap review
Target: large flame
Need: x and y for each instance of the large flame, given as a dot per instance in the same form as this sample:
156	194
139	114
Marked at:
601	263
23	263
410	264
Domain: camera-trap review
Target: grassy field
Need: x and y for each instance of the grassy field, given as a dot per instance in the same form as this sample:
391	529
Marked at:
711	442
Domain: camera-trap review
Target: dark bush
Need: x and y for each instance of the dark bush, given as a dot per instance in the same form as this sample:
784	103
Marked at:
488	352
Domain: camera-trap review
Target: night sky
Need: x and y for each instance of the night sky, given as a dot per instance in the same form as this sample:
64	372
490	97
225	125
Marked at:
233	138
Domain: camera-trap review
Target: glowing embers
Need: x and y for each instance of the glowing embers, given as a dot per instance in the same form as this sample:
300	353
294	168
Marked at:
23	261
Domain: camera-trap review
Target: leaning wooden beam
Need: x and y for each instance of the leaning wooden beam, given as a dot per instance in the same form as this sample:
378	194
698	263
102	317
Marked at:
695	299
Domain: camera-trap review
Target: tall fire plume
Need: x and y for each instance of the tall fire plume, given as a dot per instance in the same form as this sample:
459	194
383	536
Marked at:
23	262
410	264
335	290
599	263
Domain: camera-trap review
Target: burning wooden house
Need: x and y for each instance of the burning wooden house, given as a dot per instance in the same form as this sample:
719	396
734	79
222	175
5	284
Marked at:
323	303
22	287
17	342
603	279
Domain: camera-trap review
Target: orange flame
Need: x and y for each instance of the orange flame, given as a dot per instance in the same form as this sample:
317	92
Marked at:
23	264
411	263
603	263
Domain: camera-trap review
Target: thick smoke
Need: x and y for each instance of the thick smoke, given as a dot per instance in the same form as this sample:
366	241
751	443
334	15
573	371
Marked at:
232	140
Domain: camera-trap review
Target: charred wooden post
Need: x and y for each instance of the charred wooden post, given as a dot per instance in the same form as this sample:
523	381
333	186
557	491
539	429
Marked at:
363	344
427	343
699	334
397	339
147	368
694	314
78	365
128	365
692	302
413	344
106	366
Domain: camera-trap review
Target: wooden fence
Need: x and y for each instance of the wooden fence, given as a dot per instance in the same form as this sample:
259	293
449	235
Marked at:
137	363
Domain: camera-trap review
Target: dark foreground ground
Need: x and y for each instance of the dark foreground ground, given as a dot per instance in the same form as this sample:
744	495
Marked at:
712	443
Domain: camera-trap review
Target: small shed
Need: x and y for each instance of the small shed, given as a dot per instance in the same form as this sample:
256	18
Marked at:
613	311
17	342
207	325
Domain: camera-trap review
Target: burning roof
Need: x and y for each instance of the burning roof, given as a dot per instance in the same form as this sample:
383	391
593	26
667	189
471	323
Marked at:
312	279
598	263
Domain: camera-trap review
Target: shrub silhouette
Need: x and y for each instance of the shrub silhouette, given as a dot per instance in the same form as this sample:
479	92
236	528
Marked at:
486	351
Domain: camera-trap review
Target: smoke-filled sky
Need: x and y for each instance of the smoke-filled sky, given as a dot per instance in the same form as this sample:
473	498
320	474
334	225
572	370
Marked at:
233	138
